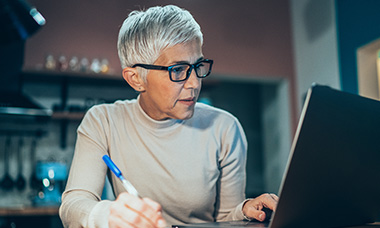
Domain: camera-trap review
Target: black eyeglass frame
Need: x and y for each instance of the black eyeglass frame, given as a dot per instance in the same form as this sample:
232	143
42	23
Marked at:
169	68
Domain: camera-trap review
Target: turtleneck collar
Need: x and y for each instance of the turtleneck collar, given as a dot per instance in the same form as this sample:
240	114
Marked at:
147	121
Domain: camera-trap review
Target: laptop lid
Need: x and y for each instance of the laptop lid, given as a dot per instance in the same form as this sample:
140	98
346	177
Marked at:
333	174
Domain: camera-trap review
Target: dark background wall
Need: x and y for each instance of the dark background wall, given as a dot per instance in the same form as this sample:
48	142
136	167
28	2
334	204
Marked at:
250	42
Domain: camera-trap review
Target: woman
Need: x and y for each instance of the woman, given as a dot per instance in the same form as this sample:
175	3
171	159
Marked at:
187	160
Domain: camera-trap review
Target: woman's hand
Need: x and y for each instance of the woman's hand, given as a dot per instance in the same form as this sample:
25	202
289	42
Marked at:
131	211
257	208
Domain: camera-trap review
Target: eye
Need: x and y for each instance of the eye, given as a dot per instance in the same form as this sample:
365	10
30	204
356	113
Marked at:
179	69
201	64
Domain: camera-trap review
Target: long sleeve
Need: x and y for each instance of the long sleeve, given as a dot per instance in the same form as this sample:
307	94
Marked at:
81	202
231	185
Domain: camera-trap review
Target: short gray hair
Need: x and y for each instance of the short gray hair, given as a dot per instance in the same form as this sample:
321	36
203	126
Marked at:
144	34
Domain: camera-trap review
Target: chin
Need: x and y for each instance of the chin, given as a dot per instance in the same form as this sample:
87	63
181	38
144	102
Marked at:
186	116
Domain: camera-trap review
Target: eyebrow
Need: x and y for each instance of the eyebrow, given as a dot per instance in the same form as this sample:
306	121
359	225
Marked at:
186	62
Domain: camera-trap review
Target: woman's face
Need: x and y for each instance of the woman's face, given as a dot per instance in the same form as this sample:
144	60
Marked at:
163	99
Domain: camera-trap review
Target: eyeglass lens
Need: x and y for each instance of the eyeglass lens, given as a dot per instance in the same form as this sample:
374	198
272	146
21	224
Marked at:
181	72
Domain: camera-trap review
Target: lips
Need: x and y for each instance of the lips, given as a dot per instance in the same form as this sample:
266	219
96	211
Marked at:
187	101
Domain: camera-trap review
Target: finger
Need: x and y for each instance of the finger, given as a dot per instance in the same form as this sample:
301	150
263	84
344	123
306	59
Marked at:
261	207
137	219
268	201
154	205
117	215
127	217
117	222
274	196
159	220
146	208
135	203
255	213
143	211
134	211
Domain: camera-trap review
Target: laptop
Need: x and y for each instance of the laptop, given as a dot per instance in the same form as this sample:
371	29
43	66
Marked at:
332	177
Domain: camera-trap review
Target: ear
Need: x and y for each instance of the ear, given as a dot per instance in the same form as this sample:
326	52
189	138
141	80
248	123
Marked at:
132	77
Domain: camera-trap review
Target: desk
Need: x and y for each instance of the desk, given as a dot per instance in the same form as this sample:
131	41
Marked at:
239	224
23	217
29	211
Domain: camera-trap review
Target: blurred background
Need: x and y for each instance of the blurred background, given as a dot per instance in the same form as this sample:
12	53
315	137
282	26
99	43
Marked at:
266	55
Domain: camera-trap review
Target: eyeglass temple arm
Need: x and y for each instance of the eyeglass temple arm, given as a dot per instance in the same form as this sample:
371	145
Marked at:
150	67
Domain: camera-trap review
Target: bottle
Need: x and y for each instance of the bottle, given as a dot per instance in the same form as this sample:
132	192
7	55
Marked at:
74	64
62	65
95	66
50	62
104	66
84	63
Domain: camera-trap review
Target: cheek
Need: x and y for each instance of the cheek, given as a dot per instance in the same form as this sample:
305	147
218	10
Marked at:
167	93
170	88
172	93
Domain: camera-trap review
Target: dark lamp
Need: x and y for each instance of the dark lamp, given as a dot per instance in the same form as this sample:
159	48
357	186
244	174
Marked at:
18	20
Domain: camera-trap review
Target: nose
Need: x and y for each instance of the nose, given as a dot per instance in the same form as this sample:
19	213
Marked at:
193	81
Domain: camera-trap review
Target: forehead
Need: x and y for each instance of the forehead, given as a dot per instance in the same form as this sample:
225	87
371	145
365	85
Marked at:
185	52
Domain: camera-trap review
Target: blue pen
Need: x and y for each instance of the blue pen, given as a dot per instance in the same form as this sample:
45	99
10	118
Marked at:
127	185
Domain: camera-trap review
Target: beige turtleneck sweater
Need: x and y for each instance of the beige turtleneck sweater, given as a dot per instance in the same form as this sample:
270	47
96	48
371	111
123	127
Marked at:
194	168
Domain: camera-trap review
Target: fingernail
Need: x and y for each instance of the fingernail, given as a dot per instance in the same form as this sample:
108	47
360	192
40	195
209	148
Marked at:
261	217
161	223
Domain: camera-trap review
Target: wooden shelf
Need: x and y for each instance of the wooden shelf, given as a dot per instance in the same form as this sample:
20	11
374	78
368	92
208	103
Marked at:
68	116
68	74
29	211
72	77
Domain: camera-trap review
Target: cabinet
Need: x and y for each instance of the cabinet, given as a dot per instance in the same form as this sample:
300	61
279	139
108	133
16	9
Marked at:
61	111
64	79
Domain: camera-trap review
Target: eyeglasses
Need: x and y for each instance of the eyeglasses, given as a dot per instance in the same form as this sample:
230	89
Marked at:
182	71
